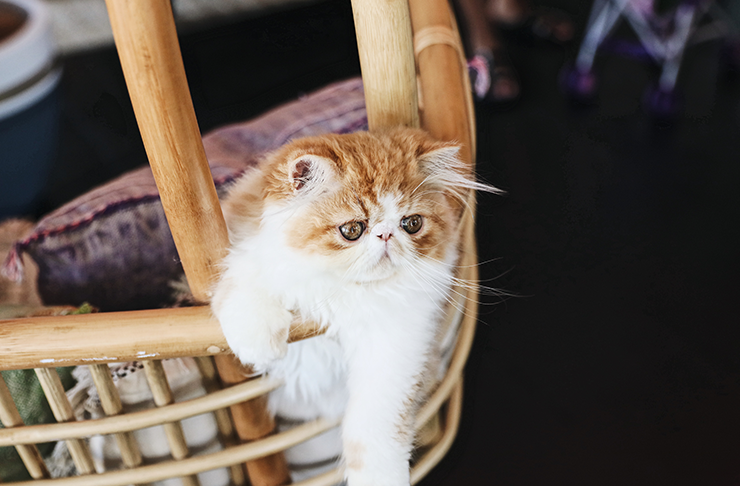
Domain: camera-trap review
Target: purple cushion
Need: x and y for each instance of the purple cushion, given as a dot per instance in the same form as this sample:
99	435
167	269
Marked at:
112	246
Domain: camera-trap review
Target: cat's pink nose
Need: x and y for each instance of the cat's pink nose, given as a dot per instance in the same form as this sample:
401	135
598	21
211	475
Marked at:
385	235
383	230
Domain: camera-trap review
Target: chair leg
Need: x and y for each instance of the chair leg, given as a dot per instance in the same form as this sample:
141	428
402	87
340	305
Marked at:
252	422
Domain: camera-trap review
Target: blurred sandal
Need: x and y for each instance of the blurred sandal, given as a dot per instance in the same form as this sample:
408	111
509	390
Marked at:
493	78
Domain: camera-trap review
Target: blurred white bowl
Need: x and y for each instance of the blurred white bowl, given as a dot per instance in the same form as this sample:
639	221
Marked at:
27	56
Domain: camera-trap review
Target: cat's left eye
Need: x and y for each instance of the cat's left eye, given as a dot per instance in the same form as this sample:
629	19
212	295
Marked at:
352	230
412	224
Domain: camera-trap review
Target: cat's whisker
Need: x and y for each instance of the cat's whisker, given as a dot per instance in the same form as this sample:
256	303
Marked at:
469	285
420	184
423	288
477	264
439	287
420	258
446	294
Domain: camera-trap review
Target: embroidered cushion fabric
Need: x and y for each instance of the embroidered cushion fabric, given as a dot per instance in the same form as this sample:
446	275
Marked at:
112	246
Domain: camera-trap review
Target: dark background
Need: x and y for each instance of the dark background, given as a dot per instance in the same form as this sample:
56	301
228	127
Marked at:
617	363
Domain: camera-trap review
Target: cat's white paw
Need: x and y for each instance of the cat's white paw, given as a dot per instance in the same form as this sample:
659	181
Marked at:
257	334
259	348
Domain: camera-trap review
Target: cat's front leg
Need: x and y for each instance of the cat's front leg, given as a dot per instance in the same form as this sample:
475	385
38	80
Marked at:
384	379
254	323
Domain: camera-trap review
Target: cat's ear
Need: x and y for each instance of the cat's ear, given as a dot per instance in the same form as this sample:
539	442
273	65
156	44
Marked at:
309	171
443	167
443	160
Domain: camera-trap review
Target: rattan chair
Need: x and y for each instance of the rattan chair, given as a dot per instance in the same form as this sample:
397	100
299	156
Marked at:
410	55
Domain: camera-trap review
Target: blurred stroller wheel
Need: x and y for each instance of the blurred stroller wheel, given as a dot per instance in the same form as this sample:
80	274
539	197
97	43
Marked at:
580	86
661	103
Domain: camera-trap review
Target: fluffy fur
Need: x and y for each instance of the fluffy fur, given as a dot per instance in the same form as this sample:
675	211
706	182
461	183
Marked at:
379	295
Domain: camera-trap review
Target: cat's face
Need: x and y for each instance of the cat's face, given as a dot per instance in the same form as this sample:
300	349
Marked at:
373	234
369	205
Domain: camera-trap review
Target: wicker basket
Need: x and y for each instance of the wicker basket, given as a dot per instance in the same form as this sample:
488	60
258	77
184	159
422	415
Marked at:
147	44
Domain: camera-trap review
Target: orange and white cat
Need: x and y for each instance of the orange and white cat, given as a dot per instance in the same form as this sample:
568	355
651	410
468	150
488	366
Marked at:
358	233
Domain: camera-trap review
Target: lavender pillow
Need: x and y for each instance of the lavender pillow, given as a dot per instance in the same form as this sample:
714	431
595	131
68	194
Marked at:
112	246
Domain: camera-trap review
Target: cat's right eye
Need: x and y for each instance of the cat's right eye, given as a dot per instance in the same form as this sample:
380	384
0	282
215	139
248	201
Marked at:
412	224
352	230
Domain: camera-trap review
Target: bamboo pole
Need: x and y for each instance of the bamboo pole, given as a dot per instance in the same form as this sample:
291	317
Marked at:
162	394
111	403
62	410
445	88
211	384
386	53
146	39
224	421
116	336
10	418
